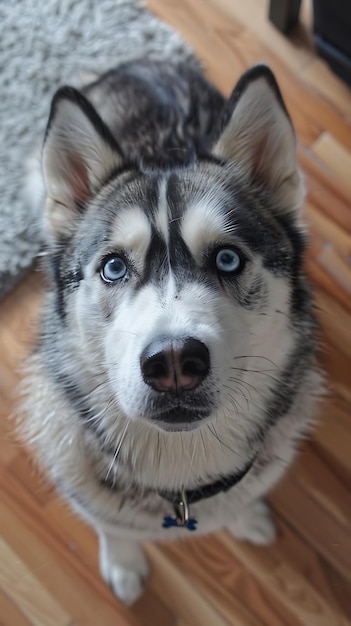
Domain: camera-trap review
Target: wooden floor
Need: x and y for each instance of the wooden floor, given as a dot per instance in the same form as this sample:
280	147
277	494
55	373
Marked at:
48	559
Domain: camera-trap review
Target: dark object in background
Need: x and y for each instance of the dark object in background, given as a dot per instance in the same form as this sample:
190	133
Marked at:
284	13
331	28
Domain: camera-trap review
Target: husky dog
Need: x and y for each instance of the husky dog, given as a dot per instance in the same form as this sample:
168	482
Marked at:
176	365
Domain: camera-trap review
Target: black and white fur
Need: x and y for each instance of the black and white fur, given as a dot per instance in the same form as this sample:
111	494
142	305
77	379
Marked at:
151	165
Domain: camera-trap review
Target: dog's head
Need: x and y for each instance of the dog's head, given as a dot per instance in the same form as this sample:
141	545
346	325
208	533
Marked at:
180	291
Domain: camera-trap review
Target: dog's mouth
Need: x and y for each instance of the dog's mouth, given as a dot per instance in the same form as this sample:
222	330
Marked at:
180	418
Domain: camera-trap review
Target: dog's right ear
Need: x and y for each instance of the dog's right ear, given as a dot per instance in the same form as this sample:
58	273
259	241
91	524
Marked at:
79	154
257	134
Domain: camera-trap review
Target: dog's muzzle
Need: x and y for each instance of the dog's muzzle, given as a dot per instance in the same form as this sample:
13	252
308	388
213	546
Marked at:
174	368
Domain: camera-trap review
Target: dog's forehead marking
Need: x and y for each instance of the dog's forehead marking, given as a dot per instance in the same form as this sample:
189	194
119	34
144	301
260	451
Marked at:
203	223
132	231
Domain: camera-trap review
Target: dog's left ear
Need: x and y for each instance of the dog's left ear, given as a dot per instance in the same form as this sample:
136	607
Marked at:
257	134
79	154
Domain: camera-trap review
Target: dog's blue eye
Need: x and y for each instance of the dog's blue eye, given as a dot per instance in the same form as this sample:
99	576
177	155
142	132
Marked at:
228	261
114	269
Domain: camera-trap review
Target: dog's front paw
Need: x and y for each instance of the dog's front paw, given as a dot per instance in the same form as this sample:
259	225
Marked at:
254	524
124	568
126	584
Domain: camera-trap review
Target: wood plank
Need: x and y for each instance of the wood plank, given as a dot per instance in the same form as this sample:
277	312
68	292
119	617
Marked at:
77	536
325	229
239	598
324	192
319	528
326	263
335	321
284	583
328	85
340	587
338	383
335	157
193	23
150	610
323	486
310	566
296	50
79	590
327	278
171	585
10	614
26	472
21	585
333	434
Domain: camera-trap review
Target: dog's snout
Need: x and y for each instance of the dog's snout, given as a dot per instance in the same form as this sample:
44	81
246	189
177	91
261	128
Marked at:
174	365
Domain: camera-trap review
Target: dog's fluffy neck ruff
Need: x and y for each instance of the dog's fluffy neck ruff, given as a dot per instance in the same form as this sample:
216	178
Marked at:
170	461
204	491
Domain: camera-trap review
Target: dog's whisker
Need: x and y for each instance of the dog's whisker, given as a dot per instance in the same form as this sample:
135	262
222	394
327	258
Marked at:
241	394
97	416
203	442
243	382
214	433
264	373
118	448
194	442
255	356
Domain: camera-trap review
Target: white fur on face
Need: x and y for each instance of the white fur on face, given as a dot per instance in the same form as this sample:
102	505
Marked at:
132	233
203	223
162	217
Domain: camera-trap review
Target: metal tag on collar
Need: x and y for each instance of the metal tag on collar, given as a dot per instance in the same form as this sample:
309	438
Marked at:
182	518
181	509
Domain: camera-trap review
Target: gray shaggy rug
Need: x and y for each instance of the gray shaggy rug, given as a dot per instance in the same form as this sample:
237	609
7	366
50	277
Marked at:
44	45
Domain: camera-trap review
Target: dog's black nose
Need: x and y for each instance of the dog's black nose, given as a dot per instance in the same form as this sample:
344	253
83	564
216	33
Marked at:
175	364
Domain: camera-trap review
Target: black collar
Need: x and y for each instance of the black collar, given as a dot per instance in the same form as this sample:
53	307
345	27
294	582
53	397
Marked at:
223	484
207	491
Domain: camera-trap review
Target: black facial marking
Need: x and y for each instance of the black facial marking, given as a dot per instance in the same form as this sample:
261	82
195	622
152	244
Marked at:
66	276
156	264
180	255
150	194
255	297
55	271
301	300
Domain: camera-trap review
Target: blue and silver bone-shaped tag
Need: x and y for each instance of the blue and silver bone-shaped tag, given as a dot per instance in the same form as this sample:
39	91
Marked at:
182	518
